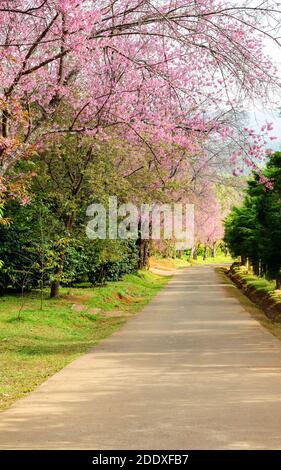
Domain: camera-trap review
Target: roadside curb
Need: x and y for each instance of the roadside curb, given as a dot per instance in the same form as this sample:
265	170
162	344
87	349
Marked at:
264	300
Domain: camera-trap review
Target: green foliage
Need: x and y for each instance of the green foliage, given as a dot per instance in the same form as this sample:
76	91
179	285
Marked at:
1	217
253	230
99	261
45	243
31	243
21	247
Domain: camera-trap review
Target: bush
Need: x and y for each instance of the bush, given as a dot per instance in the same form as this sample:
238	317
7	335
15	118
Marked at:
25	252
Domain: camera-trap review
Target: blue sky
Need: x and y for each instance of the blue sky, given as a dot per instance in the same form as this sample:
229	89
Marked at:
258	117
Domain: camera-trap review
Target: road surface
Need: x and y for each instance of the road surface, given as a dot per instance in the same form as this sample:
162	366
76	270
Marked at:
193	370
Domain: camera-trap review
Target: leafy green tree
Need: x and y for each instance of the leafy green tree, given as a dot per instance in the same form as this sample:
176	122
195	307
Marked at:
27	257
253	230
49	232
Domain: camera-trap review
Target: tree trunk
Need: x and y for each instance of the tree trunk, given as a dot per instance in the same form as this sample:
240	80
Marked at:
213	251
55	286
205	252
194	256
262	269
251	265
256	267
143	246
55	290
191	254
278	283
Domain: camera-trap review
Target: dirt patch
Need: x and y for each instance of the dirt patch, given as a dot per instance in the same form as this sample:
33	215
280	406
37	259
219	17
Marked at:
75	299
163	272
161	263
94	311
98	311
116	314
83	308
78	308
123	298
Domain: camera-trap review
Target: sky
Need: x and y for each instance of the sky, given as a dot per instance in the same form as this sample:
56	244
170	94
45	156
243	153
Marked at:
260	113
258	117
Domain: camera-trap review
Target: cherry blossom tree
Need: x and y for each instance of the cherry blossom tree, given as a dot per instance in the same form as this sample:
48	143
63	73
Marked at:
159	72
208	218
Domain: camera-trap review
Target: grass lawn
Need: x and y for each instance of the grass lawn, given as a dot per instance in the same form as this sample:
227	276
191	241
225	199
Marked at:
41	342
184	262
168	263
261	284
219	259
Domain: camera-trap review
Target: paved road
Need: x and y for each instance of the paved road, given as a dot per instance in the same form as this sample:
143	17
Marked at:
192	371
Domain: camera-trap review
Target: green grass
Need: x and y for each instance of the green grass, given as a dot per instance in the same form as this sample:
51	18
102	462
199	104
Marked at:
261	284
219	259
180	263
42	342
168	263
